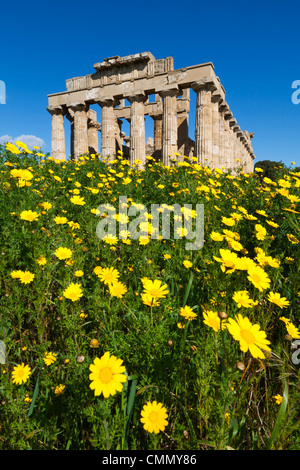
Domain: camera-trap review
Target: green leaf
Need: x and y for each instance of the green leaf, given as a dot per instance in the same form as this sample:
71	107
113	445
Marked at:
188	289
34	396
280	417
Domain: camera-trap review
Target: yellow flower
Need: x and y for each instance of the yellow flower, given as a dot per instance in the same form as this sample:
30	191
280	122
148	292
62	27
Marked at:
29	215
167	256
110	239
275	298
216	237
259	278
155	289
78	273
228	221
242	299
20	374
154	417
73	292
261	232
41	260
117	289
147	299
16	274
228	260
291	329
292	239
46	205
187	263
98	270
126	180
249	336
60	220
77	200
107	375
12	148
59	389
63	253
49	358
26	277
278	399
109	275
187	313
213	320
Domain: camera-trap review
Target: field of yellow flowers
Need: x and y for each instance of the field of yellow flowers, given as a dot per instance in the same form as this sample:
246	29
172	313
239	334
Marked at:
123	343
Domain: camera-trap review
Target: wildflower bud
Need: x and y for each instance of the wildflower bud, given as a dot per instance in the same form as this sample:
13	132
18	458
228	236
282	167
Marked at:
94	343
240	365
170	343
288	338
222	315
194	348
80	358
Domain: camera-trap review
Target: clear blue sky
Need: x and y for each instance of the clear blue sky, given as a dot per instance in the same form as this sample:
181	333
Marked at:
254	47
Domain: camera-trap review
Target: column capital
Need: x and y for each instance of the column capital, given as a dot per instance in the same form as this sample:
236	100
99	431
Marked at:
217	97
107	102
56	110
223	107
207	83
228	114
95	124
139	96
79	106
168	91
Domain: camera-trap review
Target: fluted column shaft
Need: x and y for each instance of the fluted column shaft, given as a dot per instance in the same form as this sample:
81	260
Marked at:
58	133
203	122
216	134
169	124
108	133
137	128
80	129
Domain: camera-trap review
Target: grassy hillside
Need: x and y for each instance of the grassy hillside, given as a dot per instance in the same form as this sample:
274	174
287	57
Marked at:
141	343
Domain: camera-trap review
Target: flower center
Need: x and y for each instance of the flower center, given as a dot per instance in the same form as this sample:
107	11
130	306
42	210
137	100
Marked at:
105	375
247	336
153	417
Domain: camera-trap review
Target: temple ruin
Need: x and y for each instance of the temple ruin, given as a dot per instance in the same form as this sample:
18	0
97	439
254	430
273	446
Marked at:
132	87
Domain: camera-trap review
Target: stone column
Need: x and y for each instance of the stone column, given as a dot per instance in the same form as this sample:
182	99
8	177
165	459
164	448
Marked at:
58	132
93	128
222	108
169	124
216	137
137	127
80	129
203	124
228	139
70	117
108	133
157	136
232	159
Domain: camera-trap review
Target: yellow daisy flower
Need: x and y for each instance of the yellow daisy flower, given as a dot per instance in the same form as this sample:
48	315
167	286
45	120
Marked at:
249	336
154	417
107	375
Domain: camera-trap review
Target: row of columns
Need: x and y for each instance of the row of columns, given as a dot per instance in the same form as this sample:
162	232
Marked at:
219	141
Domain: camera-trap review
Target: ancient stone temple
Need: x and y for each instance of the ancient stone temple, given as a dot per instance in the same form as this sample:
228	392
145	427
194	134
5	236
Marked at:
132	87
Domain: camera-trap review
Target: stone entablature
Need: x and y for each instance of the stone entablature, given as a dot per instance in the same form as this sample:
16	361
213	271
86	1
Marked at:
137	78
